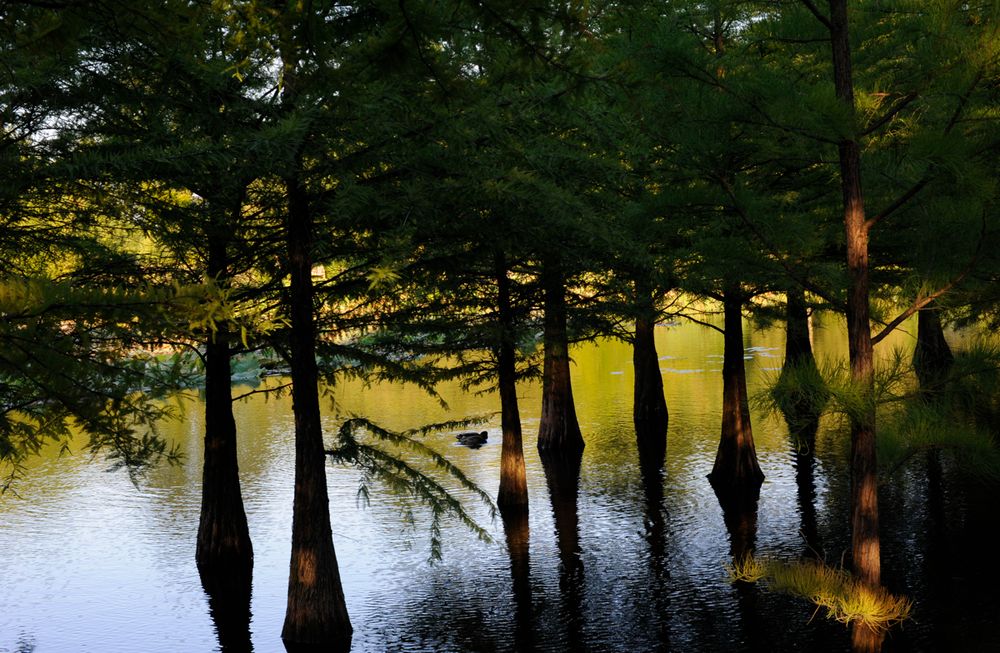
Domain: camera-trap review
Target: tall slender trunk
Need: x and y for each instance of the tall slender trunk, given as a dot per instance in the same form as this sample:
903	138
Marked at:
798	348
736	469
932	357
223	549
513	494
559	429
649	407
317	612
865	550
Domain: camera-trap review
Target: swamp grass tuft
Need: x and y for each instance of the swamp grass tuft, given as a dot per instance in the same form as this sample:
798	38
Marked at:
834	590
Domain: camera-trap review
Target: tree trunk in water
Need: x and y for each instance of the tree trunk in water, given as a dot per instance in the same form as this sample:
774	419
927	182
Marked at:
802	390
223	549
317	613
736	469
513	494
649	407
559	429
932	357
865	550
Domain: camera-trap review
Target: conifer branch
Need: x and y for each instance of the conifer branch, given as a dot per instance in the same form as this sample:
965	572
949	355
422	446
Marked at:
773	249
814	10
922	302
919	186
900	104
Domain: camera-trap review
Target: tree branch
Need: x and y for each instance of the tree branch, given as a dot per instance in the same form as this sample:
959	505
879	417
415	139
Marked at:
792	273
901	104
814	10
899	203
916	188
922	302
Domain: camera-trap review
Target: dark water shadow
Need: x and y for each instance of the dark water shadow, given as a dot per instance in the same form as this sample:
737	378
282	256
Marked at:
652	456
802	432
229	607
518	536
562	476
739	512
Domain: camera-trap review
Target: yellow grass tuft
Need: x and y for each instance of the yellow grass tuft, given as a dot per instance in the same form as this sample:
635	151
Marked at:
842	597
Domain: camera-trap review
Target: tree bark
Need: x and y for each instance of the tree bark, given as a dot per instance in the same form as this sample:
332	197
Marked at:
317	612
223	548
559	429
513	494
736	469
865	549
798	348
649	407
932	357
803	393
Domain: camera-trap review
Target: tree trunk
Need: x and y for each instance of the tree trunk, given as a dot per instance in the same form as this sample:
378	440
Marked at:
649	407
932	357
513	494
802	390
736	469
559	429
865	551
223	548
798	348
317	613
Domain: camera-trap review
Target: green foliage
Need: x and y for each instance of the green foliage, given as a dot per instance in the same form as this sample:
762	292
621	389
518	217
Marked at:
960	418
381	458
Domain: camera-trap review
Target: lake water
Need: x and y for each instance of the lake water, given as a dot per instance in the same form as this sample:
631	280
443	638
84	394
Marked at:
88	562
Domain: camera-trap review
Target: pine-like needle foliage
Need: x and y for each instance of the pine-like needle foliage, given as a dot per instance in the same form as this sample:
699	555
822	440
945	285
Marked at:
379	454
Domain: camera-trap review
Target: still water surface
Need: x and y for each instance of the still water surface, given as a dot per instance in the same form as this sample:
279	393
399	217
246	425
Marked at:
620	562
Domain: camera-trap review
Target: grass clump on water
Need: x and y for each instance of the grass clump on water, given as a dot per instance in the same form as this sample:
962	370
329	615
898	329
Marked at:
832	589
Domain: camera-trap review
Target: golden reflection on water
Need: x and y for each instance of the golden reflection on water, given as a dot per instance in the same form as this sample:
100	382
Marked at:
71	496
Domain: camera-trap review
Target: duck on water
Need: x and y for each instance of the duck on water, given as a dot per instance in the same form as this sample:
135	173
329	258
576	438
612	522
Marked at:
472	440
